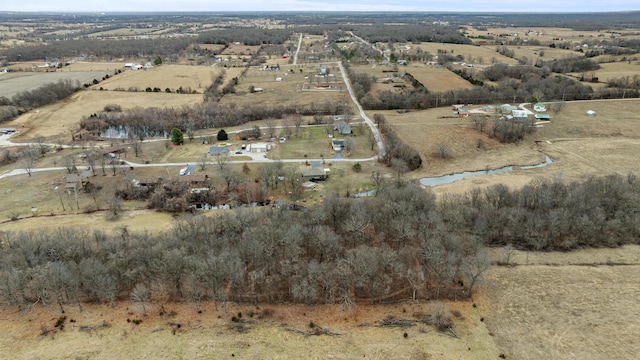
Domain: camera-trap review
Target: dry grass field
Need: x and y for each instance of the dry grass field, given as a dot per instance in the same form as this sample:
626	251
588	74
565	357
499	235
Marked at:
615	70
56	121
579	145
266	335
534	52
15	82
471	53
165	76
437	79
578	305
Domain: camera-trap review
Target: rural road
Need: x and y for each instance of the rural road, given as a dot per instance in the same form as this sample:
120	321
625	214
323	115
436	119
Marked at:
5	141
295	57
372	126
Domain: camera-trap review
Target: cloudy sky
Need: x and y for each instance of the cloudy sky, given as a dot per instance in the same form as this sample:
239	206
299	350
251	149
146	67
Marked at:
320	5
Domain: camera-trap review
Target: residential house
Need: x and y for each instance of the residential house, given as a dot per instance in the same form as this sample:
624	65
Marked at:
338	145
314	174
342	127
218	151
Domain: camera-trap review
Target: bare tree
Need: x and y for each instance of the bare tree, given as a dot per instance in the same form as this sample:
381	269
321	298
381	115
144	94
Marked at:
297	122
271	128
29	157
70	163
287	127
43	148
557	107
141	295
222	160
137	148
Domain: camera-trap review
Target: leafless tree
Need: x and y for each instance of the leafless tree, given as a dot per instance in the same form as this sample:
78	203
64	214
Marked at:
297	122
142	296
271	128
137	148
70	163
29	157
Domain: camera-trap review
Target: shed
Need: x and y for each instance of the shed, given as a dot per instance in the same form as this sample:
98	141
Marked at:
591	113
544	117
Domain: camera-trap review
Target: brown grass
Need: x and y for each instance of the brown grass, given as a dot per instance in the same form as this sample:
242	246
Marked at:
566	311
165	76
437	79
57	120
208	335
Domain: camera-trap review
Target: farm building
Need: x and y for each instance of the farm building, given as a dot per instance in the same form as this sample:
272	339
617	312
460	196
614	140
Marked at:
544	117
218	151
149	181
507	109
519	114
539	107
258	147
193	179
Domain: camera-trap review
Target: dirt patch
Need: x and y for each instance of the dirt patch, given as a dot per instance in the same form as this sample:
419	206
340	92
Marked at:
266	333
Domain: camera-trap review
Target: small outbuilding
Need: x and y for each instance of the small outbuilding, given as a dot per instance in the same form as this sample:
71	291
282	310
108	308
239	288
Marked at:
591	113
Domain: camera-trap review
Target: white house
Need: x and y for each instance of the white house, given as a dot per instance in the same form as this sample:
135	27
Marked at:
539	107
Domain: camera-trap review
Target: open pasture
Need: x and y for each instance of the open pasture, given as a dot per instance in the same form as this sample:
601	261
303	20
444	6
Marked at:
564	312
165	76
437	79
57	121
615	70
15	82
472	53
579	145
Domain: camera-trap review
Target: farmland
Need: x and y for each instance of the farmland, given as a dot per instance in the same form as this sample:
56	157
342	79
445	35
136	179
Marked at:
15	82
526	305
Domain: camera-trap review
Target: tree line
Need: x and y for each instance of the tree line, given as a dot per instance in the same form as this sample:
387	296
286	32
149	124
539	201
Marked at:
27	100
157	121
401	244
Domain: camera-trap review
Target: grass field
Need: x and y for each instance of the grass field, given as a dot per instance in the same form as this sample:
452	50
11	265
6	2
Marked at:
437	79
166	76
15	82
56	121
579	145
578	305
210	334
472	54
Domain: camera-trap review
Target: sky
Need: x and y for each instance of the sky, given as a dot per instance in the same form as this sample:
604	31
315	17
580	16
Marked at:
321	5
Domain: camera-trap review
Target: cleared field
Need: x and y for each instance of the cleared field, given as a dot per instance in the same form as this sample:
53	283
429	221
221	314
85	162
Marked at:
543	53
241	49
56	121
15	82
472	54
165	76
437	79
615	70
564	312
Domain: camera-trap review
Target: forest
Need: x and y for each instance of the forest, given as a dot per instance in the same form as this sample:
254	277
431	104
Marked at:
403	243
